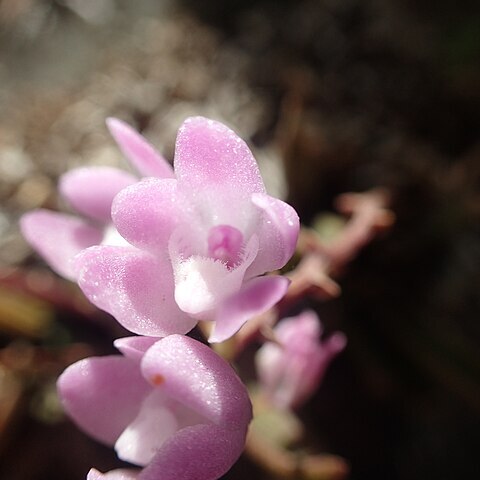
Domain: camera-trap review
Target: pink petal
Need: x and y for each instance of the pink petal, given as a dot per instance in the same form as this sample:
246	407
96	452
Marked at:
90	190
299	330
209	154
138	151
134	347
87	388
290	373
58	238
196	376
277	232
133	286
256	297
146	213
320	362
201	452
119	474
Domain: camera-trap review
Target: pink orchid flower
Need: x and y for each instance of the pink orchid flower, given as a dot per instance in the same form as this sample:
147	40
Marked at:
171	406
58	237
290	371
199	242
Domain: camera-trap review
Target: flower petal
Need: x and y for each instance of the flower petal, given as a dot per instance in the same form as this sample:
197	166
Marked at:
160	417
193	374
138	151
202	283
146	213
201	452
291	370
133	286
134	347
143	437
119	474
58	238
277	233
209	154
87	388
90	190
256	296
317	366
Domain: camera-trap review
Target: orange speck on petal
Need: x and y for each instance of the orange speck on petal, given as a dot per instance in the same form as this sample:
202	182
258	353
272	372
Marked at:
157	379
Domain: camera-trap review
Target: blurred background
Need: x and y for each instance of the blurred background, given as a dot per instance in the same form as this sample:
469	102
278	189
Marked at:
333	96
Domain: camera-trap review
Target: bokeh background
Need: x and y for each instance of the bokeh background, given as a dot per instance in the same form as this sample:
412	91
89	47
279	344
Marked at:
333	96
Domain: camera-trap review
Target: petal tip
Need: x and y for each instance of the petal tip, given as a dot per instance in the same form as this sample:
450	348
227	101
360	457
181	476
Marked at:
114	123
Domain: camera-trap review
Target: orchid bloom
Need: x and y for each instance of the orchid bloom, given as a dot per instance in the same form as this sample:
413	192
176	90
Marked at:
58	237
171	406
290	371
200	242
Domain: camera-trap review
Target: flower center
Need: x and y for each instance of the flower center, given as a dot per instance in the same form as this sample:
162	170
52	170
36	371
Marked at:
225	244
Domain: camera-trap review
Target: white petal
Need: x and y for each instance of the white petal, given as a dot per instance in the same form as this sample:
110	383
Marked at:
154	424
202	283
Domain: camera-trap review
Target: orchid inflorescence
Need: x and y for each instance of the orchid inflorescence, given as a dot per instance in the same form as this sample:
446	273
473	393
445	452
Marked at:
160	252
